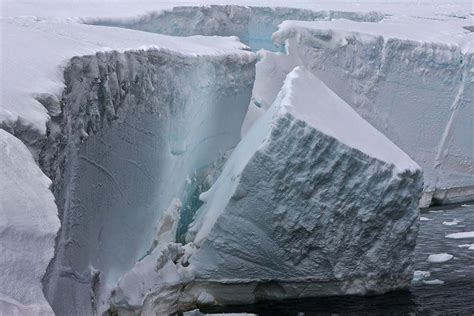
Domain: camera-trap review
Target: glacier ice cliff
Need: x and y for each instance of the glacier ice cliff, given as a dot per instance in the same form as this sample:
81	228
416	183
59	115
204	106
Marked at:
137	130
253	25
424	72
160	213
408	80
303	207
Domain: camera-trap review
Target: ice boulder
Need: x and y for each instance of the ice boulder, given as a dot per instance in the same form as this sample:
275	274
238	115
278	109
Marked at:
314	201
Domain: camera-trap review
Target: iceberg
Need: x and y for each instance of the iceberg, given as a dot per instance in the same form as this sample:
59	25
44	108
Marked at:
313	201
408	80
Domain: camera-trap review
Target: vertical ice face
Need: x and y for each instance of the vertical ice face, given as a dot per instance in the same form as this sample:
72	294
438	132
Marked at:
253	25
28	226
313	201
410	81
136	128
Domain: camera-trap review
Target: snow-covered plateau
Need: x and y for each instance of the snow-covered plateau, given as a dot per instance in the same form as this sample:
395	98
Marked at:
157	157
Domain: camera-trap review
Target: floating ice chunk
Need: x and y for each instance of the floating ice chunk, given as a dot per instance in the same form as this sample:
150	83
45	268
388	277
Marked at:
420	275
439	258
433	282
467	205
312	195
461	235
424	219
468	246
452	223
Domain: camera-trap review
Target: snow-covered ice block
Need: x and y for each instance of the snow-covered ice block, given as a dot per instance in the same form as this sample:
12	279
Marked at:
410	81
313	201
28	225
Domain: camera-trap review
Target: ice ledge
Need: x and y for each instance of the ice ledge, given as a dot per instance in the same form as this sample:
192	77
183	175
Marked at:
402	28
39	50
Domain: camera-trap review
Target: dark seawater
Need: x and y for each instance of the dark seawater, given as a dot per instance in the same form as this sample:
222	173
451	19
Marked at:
454	297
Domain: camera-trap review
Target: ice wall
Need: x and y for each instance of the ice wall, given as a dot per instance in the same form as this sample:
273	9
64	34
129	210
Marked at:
136	129
412	83
253	25
314	201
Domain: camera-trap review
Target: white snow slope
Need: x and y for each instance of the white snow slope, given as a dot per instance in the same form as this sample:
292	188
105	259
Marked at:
28	226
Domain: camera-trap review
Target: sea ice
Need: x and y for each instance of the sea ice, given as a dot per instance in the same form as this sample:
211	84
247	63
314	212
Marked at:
462	235
420	275
452	223
468	246
439	258
433	282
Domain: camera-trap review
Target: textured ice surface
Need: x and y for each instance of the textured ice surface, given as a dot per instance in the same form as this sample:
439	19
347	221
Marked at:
410	81
28	225
135	127
304	208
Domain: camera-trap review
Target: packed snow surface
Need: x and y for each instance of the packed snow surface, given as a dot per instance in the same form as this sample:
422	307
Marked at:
28	226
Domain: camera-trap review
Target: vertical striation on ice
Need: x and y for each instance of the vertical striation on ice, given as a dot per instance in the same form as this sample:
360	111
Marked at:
135	127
